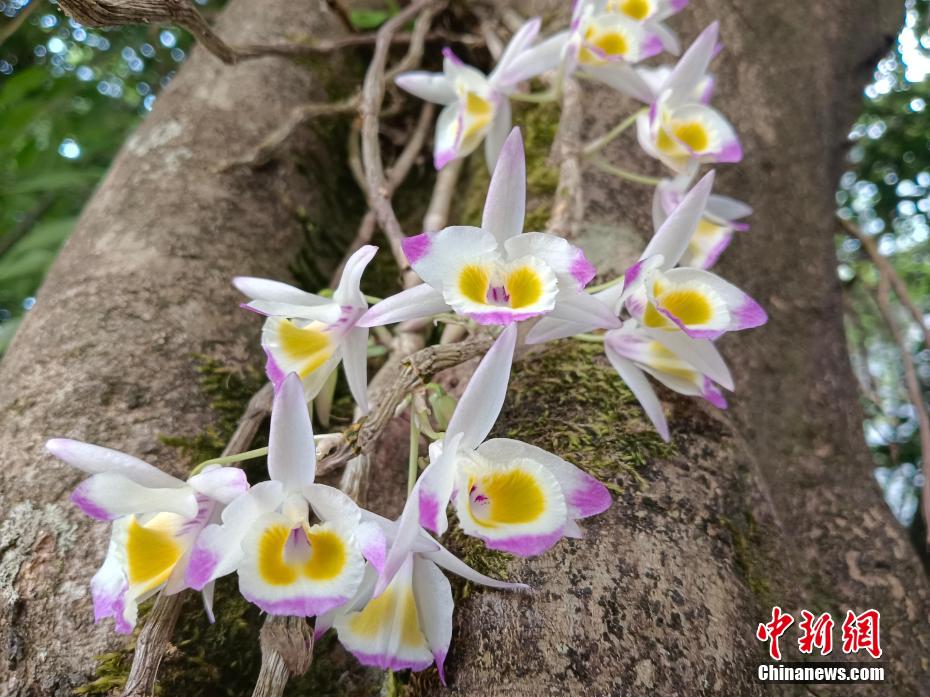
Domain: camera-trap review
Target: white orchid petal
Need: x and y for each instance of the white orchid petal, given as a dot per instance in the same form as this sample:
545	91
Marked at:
291	453
505	206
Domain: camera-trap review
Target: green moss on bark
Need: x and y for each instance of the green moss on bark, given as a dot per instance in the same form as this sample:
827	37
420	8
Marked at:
567	399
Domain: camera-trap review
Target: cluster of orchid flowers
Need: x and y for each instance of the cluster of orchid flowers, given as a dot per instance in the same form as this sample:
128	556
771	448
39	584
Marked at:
303	548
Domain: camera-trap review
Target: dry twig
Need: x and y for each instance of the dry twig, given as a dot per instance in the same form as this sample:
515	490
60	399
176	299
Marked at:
568	208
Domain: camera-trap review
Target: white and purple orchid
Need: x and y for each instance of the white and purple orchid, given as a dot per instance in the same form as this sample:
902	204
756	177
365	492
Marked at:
602	44
715	230
476	106
694	301
157	520
516	497
495	274
688	366
286	565
401	616
309	335
680	129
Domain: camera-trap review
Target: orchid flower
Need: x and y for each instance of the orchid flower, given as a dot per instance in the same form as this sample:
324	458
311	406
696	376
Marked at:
602	44
688	366
401	617
157	520
309	335
287	566
715	229
476	106
698	302
651	13
679	129
516	497
695	301
494	274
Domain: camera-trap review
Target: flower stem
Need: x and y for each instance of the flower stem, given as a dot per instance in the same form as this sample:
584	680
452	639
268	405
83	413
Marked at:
414	452
590	338
599	143
624	174
239	457
604	286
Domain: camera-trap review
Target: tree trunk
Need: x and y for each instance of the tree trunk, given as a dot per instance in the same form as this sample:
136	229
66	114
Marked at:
143	284
773	503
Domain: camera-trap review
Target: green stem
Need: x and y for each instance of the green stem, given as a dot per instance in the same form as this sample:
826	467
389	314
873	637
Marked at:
426	428
590	338
599	143
624	174
534	97
604	286
239	457
414	453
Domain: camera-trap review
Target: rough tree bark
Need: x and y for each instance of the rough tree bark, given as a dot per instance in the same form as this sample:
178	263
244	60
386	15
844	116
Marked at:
773	504
143	285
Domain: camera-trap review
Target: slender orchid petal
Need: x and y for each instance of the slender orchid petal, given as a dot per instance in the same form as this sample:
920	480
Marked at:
504	208
276	292
545	56
666	37
328	313
348	292
408	530
551	329
437	483
693	65
355	365
433	596
218	550
672	238
223	484
94	459
639	385
110	586
497	134
623	78
431	87
483	399
444	558
446	139
521	41
726	208
413	303
291	453
322	404
110	495
700	353
581	307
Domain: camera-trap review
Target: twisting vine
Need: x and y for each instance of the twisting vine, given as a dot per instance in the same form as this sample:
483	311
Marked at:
306	550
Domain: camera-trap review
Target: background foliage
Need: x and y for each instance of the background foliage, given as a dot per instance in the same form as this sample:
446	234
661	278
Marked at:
886	193
69	96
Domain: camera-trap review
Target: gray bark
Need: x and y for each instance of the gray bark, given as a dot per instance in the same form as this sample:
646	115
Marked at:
142	285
